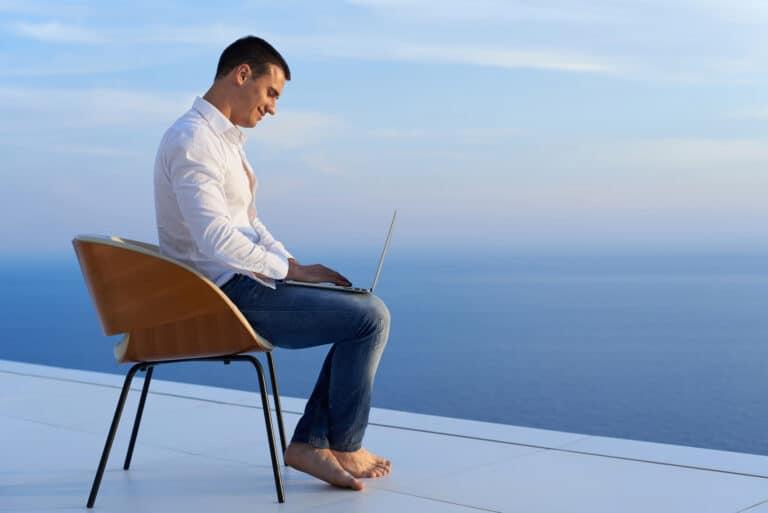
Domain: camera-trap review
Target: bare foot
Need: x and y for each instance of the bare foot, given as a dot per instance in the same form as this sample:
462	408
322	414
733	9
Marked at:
320	463
362	463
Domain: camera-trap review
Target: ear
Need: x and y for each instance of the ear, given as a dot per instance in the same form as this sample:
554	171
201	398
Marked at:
242	72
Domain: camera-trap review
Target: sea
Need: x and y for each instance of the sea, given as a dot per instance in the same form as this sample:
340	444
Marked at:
669	348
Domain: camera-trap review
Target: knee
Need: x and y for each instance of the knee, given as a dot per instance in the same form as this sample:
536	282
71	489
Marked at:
377	315
380	311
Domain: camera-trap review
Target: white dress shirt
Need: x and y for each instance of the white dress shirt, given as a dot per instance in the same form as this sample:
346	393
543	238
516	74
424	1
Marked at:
204	201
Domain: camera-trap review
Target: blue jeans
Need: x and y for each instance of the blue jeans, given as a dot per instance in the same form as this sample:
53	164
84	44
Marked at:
357	326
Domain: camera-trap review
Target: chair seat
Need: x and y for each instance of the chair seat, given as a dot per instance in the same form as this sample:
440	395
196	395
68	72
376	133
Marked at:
202	336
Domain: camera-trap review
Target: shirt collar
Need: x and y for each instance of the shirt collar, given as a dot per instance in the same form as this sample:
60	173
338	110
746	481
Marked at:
218	121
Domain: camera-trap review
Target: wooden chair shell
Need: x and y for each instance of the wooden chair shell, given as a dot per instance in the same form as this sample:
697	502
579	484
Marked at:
166	309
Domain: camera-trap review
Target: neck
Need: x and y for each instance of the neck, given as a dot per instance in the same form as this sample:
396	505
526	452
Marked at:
219	100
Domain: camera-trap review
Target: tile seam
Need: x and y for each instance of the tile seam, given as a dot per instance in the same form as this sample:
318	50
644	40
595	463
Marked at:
428	431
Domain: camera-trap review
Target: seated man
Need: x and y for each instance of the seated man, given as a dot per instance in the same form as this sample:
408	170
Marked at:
204	200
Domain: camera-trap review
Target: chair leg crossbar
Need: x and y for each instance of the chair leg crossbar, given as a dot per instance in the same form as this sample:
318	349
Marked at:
148	368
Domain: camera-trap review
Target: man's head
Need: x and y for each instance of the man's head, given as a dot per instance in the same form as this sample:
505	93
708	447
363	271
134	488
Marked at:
250	76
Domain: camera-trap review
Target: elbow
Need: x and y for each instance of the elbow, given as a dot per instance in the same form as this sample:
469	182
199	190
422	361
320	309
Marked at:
213	239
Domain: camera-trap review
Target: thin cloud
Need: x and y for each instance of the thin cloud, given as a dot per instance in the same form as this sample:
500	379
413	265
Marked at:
373	48
694	41
489	55
602	11
698	154
740	12
291	130
321	163
94	150
494	11
757	113
485	55
56	32
91	107
30	7
214	34
468	135
627	52
81	66
657	160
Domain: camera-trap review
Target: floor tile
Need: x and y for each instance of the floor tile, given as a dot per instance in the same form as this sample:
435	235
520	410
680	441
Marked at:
387	502
760	507
417	456
82	406
666	453
30	446
553	481
474	429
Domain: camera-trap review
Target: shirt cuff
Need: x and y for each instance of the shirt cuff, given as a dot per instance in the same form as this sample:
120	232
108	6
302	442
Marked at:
275	266
282	251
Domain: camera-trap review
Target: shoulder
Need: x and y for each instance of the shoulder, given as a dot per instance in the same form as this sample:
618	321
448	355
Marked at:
191	133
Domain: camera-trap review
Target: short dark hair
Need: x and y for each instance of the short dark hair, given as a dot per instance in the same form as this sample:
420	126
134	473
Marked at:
253	51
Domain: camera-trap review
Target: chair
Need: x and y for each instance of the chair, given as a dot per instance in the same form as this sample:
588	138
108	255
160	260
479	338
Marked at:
169	313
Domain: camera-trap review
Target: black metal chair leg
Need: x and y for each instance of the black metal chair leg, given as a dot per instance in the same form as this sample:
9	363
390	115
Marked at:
270	431
112	431
276	394
139	413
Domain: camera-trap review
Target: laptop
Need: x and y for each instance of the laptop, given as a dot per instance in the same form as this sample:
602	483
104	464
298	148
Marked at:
356	290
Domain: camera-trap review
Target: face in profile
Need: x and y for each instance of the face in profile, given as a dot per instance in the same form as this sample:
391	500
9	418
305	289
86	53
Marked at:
257	95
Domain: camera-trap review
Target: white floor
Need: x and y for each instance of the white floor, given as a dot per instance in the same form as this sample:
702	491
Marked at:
204	449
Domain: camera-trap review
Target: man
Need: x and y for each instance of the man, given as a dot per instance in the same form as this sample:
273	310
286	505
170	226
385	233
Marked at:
206	217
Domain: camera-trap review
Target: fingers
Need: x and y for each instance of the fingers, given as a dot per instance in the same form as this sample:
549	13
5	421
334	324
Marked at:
317	273
337	278
341	280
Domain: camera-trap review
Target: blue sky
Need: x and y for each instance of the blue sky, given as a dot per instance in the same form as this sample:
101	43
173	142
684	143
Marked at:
548	125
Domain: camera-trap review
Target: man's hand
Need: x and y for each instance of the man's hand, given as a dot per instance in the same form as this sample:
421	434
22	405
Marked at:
315	273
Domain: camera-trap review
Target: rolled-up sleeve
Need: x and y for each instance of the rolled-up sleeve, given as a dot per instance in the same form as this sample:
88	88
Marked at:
197	180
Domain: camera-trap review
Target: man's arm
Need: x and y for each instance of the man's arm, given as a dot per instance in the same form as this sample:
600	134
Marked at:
197	183
315	273
267	240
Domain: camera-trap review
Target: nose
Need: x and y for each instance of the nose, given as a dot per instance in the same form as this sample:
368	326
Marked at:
272	107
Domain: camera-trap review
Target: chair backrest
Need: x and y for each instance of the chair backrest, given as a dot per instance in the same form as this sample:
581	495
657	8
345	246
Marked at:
153	248
168	309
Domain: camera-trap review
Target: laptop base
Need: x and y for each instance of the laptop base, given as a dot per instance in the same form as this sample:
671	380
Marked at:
328	286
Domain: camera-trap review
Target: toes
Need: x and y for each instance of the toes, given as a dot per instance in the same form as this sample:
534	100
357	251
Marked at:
349	481
363	464
354	483
372	471
378	471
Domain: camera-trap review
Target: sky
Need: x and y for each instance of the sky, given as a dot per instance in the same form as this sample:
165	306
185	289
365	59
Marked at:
552	125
